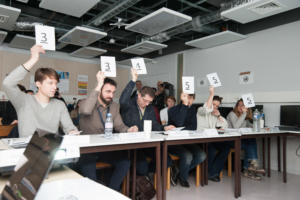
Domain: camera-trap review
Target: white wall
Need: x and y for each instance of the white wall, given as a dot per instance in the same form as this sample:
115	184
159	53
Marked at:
163	69
273	55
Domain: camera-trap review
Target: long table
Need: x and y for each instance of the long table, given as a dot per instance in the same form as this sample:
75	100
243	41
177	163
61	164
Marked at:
123	141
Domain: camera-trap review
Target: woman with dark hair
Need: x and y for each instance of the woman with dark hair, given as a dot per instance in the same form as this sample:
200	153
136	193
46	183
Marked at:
209	117
170	102
241	117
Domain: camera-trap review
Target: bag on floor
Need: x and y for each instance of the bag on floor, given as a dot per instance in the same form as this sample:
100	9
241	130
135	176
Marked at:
144	188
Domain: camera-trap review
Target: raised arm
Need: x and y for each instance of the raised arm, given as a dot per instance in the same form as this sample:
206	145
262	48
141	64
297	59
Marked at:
208	106
126	94
18	74
87	105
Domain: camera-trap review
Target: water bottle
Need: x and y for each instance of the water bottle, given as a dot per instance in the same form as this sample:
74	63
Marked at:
262	120
256	121
108	126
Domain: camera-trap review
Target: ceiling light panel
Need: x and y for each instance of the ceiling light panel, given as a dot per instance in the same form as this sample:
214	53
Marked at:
74	8
127	62
158	21
8	17
82	36
144	47
216	39
22	42
88	52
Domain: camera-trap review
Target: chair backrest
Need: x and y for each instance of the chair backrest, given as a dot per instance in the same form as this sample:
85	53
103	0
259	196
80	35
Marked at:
5	130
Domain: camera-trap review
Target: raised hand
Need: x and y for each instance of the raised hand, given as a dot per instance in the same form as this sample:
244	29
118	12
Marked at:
36	50
100	80
134	74
211	90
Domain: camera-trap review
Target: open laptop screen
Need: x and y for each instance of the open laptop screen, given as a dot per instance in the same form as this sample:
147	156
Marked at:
32	167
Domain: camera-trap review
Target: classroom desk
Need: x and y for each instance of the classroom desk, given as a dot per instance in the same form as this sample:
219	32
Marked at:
128	141
64	182
194	138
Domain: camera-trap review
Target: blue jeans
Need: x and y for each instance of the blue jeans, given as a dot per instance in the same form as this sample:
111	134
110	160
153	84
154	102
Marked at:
189	157
217	155
143	167
250	148
118	159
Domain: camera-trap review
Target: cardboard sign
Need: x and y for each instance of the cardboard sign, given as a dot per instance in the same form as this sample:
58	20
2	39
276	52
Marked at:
214	79
248	100
139	65
188	85
45	36
108	66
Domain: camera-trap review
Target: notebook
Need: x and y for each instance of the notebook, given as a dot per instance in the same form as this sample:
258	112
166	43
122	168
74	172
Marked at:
32	167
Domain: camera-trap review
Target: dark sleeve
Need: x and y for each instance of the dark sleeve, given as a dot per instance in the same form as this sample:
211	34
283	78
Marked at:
191	122
126	94
9	114
177	115
155	125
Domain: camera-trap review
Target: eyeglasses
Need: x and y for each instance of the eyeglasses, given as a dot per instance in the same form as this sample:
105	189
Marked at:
146	100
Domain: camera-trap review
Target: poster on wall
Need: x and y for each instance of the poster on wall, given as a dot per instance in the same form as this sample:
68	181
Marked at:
32	85
82	82
246	78
64	82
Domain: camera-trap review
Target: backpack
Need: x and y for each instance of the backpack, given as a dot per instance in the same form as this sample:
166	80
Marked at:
144	188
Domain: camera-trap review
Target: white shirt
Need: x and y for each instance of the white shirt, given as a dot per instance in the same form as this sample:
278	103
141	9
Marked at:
164	115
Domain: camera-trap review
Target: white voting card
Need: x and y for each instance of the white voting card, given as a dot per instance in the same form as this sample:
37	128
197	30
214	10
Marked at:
214	80
108	66
248	100
45	36
139	65
188	85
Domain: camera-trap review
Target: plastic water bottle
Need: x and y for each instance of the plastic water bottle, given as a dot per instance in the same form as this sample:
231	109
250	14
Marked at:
262	120
108	126
256	121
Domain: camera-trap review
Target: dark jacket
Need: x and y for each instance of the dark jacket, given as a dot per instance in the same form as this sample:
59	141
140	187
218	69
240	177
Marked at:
130	111
9	114
183	116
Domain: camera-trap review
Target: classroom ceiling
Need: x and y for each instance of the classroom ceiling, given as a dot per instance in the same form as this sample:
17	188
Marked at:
197	19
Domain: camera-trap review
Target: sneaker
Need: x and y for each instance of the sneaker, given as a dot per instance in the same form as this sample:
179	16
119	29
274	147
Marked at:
254	168
251	175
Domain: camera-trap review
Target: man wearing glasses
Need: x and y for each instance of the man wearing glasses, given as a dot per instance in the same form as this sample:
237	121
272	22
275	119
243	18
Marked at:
134	111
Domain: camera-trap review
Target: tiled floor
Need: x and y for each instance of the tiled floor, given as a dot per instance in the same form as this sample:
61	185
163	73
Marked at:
267	189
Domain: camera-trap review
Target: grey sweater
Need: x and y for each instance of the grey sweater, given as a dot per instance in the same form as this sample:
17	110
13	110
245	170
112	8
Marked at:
31	115
238	122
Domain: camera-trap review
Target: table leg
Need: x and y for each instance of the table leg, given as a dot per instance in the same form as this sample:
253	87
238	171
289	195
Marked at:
158	172
164	170
263	152
134	174
237	168
278	153
269	156
206	165
284	158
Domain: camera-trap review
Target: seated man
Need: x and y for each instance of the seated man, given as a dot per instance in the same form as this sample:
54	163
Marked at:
209	116
39	111
134	111
184	115
93	111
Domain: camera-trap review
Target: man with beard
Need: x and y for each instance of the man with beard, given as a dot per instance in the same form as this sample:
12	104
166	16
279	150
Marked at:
93	111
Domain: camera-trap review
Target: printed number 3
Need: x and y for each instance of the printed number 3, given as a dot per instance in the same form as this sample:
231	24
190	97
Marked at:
44	38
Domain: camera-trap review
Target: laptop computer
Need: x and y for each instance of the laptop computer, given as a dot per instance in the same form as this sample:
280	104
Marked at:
32	167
